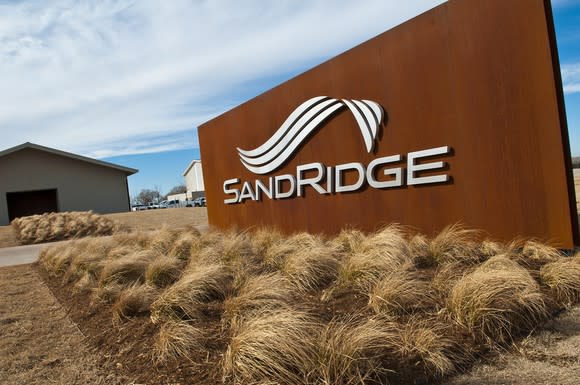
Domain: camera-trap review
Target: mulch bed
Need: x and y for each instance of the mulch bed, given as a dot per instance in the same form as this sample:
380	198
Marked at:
125	347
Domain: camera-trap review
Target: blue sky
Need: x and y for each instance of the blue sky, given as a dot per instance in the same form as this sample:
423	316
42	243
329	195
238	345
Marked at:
128	81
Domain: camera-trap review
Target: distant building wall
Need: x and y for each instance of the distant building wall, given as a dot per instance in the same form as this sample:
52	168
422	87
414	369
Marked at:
194	180
179	197
80	186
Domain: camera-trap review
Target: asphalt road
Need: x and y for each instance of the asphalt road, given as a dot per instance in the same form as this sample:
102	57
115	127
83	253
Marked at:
20	255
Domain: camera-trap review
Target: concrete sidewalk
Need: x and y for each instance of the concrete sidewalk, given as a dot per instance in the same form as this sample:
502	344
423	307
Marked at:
19	255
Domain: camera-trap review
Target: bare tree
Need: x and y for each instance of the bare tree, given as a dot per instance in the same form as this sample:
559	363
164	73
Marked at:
147	196
179	189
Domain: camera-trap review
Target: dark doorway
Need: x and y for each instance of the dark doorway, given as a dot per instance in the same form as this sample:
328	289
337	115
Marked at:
24	203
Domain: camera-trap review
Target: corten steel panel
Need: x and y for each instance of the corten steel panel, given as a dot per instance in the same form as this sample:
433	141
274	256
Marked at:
479	76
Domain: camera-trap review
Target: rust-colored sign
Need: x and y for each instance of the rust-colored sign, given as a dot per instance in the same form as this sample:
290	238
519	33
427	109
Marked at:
454	116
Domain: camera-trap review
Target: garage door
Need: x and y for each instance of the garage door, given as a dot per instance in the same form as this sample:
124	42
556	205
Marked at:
24	203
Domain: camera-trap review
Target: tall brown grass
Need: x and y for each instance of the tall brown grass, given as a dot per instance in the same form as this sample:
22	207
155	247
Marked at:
376	256
357	351
185	299
497	300
401	292
354	309
454	244
258	294
563	279
428	345
58	226
178	339
278	347
307	261
133	301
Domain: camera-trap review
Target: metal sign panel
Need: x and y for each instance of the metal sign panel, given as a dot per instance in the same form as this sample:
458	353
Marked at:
454	116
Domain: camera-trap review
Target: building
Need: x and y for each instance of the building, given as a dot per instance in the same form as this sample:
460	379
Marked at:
36	179
194	180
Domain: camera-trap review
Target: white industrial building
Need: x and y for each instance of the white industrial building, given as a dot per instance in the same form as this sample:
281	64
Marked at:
194	180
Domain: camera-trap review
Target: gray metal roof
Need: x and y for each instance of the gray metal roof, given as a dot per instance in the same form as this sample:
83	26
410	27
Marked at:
126	170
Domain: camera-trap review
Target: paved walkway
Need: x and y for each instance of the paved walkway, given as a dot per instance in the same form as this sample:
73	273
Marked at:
20	255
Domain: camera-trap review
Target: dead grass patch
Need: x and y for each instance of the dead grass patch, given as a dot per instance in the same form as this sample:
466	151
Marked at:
428	345
454	244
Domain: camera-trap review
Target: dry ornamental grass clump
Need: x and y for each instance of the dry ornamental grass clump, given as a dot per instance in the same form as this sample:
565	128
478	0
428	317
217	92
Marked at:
133	301
277	346
453	244
356	351
178	339
186	298
307	261
378	255
304	309
563	279
401	292
163	271
57	226
129	268
497	301
258	294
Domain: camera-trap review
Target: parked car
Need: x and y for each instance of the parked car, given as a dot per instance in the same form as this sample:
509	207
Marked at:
199	202
138	207
172	203
152	206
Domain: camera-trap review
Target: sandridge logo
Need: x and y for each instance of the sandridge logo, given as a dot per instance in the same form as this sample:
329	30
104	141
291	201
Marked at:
300	124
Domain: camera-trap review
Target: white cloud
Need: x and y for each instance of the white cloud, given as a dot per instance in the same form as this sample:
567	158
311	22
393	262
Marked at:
110	77
571	77
564	3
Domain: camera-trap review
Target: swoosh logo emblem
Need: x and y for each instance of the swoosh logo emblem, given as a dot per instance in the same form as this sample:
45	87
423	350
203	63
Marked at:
302	122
